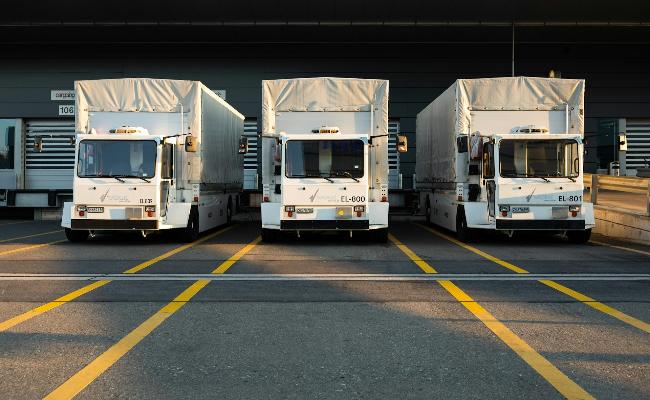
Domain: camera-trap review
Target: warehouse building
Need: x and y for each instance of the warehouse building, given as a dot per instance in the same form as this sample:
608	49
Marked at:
420	46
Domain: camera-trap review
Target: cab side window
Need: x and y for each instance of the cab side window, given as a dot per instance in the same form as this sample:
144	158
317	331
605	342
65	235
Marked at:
488	161
167	165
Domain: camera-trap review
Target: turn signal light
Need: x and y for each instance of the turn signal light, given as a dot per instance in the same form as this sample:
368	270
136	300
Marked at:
266	199
82	213
384	199
504	213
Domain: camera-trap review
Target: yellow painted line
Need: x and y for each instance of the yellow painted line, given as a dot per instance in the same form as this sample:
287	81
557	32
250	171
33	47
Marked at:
424	266
89	288
33	247
645	253
177	250
99	365
562	383
49	306
31	236
604	308
612	312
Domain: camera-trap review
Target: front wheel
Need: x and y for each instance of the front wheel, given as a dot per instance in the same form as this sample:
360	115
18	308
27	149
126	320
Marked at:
463	233
579	237
379	235
191	232
269	235
76	236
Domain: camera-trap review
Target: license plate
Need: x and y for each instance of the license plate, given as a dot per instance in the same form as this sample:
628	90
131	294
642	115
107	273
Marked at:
304	210
516	210
95	209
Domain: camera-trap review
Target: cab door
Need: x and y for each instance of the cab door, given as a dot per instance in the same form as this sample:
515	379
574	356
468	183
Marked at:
167	182
488	177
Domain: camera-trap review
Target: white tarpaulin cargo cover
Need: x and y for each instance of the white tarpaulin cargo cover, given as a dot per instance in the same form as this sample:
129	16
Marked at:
216	125
450	115
325	94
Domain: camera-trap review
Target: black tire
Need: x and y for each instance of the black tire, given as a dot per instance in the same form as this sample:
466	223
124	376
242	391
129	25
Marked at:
76	235
269	235
379	235
578	237
191	232
463	233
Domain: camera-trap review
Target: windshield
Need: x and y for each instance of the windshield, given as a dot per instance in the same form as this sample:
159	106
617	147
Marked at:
324	158
125	158
539	158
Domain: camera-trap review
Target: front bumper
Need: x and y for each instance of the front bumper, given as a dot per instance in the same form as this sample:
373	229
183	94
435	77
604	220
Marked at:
535	224
311	224
113	224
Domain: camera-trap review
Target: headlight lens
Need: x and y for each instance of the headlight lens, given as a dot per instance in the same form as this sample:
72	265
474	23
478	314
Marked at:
574	208
81	208
504	208
290	208
359	208
150	208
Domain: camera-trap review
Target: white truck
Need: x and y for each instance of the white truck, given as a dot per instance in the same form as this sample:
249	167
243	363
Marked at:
505	154
325	156
153	155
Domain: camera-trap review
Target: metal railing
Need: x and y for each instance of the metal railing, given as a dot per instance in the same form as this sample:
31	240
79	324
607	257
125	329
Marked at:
627	184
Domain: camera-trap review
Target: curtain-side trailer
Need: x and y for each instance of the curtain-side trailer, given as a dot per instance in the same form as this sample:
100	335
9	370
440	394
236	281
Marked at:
151	155
505	154
324	156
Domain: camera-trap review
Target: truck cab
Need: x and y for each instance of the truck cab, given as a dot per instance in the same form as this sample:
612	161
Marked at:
124	180
323	182
531	180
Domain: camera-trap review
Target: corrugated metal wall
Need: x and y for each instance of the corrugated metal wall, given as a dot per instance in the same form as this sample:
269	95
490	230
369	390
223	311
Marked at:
617	70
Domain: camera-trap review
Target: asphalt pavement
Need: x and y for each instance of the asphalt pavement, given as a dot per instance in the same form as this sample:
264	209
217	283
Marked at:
322	316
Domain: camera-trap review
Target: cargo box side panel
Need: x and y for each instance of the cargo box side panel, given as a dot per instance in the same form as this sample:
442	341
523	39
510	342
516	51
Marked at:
222	128
436	140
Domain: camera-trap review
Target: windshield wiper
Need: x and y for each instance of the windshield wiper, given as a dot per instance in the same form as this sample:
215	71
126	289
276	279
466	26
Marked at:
346	174
312	176
131	176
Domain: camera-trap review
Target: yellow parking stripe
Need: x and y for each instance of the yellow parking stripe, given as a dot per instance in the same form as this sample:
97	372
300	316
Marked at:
89	288
645	253
621	316
36	246
99	365
562	383
30	236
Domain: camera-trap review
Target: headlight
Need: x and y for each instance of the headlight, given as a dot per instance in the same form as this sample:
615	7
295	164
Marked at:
359	208
504	208
81	208
150	208
289	208
574	208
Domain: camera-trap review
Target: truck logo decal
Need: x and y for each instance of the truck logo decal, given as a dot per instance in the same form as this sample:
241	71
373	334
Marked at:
103	197
530	196
313	197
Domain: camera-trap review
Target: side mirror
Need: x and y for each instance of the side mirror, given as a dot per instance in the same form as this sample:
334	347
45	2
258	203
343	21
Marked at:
191	144
38	144
243	145
402	144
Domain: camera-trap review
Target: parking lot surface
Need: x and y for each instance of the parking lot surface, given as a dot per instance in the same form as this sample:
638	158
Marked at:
322	316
